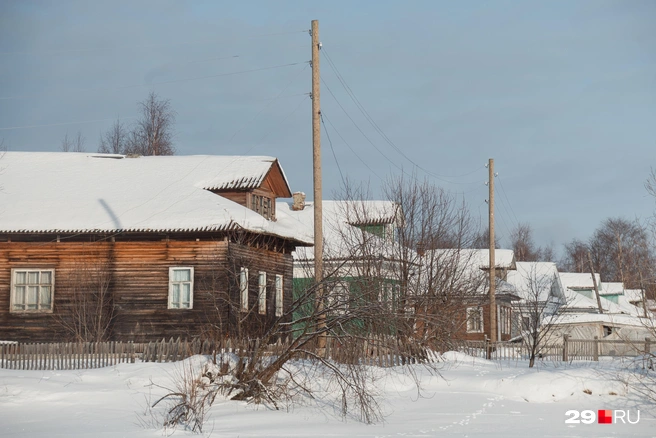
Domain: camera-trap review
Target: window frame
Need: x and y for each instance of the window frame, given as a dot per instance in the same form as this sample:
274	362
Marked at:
263	205
12	291
280	294
191	287
243	289
261	292
505	315
470	325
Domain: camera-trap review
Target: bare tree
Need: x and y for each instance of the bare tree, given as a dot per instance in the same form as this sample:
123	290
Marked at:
537	309
153	132
434	269
482	240
372	293
621	250
548	253
115	140
575	258
91	307
521	242
74	144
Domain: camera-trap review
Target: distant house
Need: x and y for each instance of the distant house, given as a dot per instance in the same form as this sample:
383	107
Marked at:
361	257
605	326
581	297
540	293
580	317
142	247
474	319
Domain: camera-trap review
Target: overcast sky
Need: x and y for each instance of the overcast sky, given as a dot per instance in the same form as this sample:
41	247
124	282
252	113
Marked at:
562	94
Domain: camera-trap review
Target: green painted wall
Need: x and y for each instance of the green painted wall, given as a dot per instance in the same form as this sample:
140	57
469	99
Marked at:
360	290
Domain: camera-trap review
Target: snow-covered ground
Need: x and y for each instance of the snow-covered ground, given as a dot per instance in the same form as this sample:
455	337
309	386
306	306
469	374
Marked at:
471	398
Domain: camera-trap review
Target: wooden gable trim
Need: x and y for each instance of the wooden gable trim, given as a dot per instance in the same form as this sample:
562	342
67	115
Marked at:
276	181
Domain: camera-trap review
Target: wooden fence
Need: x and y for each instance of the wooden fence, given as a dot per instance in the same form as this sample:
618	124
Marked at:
372	350
382	351
567	350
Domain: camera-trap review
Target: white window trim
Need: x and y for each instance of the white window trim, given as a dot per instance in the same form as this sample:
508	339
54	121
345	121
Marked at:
279	294
261	293
480	311
243	289
12	293
191	287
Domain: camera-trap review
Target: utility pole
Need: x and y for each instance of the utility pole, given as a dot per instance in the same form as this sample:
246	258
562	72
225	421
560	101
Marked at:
594	282
492	272
316	166
644	298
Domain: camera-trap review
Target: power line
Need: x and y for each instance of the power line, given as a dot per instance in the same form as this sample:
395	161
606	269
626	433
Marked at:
503	190
358	127
159	83
268	104
373	123
503	205
383	154
148	47
379	150
270	99
333	150
323	113
307	96
60	124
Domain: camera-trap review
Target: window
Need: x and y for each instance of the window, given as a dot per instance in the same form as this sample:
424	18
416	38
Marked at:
32	290
243	289
475	320
262	205
261	293
181	288
279	296
504	319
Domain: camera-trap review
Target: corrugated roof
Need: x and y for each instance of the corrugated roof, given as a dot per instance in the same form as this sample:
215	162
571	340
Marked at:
80	192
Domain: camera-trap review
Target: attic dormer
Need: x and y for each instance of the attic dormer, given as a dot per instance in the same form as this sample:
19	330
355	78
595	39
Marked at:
259	195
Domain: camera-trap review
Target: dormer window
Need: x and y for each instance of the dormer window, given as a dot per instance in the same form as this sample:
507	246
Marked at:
263	205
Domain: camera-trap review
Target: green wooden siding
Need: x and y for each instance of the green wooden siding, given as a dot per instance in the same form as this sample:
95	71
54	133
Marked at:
361	291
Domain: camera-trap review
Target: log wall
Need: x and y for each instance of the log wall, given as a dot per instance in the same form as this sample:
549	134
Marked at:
139	287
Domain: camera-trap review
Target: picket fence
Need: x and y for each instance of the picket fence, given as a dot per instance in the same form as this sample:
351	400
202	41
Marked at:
568	349
373	350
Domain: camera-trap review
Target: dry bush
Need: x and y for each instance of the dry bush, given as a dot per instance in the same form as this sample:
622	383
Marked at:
91	309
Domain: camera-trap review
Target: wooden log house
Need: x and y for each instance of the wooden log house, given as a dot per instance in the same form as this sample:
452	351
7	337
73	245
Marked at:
113	247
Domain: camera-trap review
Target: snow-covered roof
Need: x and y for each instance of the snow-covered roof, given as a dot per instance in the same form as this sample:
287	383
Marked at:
578	280
613	288
480	258
633	294
602	318
535	280
82	192
340	235
577	302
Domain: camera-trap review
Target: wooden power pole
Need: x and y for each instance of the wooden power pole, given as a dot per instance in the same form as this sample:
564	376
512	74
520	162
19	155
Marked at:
316	166
493	302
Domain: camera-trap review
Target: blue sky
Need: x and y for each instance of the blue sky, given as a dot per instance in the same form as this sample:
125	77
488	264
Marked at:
561	94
